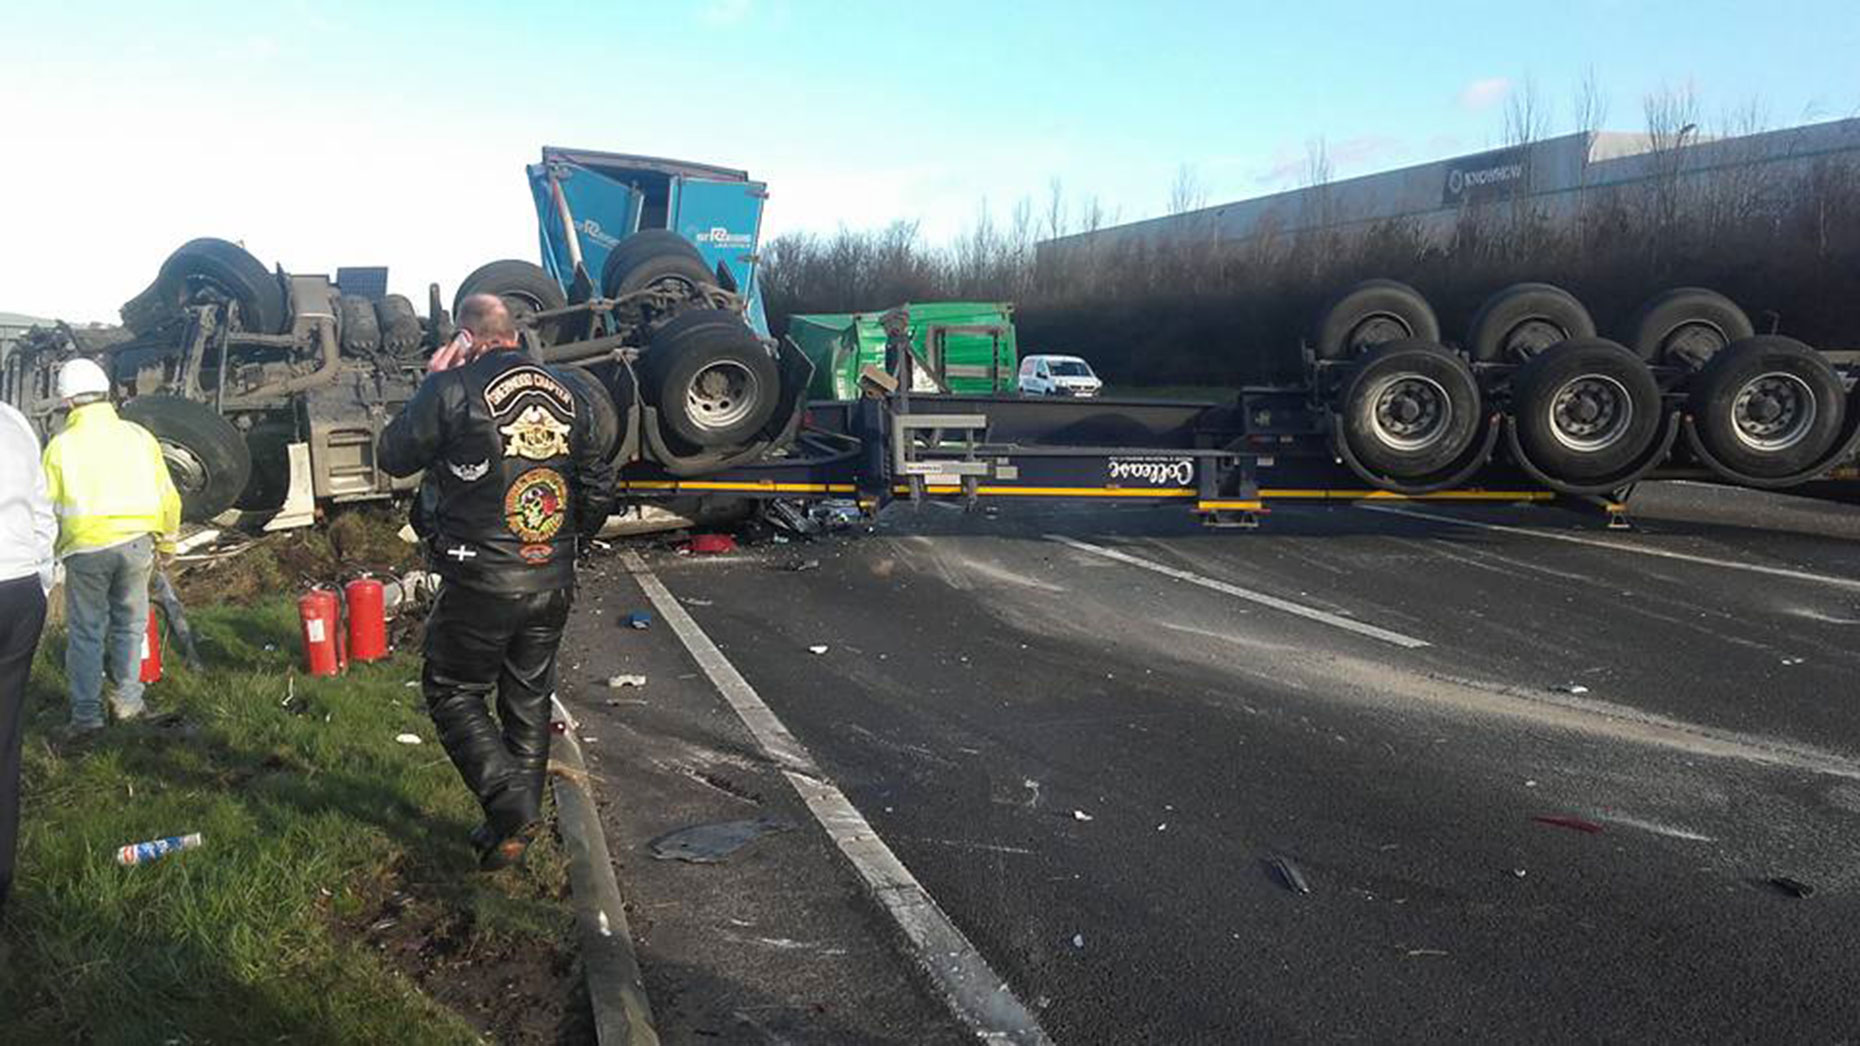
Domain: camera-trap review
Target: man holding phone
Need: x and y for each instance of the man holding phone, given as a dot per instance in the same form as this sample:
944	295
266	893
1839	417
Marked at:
514	478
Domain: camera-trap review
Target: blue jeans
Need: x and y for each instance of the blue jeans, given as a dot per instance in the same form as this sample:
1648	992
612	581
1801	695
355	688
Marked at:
106	613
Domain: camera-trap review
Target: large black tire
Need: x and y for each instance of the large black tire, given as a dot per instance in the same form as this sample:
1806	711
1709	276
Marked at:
591	396
1523	320
222	266
1410	409
1687	326
355	320
650	256
207	458
1768	406
401	332
1371	313
1587	410
712	380
524	286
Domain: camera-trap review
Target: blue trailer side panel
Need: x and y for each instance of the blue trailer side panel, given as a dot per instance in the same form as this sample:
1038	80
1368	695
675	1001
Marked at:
724	220
605	212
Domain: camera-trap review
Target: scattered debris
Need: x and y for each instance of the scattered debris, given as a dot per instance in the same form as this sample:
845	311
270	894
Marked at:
1287	874
1792	887
604	546
1567	821
1415	953
411	684
698	603
800	565
1793	660
1571	688
818	648
710	544
407	739
1080	815
616	682
1519	872
1078	940
639	619
713	842
142	853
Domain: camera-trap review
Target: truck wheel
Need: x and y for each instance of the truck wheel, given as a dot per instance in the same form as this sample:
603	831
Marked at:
355	320
592	396
400	328
1687	326
654	256
1523	320
524	286
216	265
1586	409
1410	408
207	458
1371	313
1768	406
711	378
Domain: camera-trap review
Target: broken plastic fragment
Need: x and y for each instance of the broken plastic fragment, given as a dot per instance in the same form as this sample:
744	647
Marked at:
616	682
819	648
639	619
1792	887
1287	874
1572	688
1080	815
407	739
1078	940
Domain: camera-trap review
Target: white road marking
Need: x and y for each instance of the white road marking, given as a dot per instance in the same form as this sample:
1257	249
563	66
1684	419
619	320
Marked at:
1619	546
971	987
1309	613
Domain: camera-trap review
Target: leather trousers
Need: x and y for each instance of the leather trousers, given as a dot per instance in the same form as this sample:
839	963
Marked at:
481	647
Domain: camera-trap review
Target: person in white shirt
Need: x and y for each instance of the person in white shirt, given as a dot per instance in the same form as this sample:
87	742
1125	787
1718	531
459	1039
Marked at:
27	531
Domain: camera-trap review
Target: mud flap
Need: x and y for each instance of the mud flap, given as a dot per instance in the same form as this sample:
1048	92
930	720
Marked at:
299	508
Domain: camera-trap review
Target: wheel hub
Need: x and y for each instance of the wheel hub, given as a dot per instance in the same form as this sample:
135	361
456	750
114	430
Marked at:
1533	336
184	467
1590	412
1773	411
722	394
1412	412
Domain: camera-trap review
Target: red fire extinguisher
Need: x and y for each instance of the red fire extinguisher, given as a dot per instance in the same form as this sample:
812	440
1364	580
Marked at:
322	630
367	619
150	672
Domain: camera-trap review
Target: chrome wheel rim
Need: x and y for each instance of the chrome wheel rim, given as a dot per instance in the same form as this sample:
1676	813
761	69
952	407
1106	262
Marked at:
1590	412
721	395
184	467
1411	412
1773	411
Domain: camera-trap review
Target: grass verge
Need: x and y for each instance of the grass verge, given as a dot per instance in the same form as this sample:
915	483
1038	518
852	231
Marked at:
333	899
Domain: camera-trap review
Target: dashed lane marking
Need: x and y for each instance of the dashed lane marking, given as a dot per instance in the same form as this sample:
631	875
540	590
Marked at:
1622	546
973	990
1309	613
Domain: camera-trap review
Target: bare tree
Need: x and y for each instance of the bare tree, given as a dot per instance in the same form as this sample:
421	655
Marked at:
1527	114
1588	105
1187	193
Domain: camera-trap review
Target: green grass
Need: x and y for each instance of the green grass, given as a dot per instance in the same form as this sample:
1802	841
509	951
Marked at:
317	823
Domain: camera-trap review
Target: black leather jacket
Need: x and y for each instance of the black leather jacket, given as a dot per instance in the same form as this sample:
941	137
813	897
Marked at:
512	472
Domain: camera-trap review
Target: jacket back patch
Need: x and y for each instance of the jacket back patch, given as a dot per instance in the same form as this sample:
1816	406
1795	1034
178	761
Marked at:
534	411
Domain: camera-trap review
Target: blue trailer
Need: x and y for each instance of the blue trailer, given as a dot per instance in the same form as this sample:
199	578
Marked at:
588	202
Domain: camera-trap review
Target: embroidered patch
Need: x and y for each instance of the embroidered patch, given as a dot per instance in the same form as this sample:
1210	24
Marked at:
536	434
470	473
511	386
536	504
537	553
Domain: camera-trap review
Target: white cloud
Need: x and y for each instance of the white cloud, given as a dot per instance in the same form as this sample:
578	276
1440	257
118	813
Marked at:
1483	94
725	12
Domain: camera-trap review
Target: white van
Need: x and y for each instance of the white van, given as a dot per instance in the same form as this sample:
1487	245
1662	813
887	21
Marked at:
1042	375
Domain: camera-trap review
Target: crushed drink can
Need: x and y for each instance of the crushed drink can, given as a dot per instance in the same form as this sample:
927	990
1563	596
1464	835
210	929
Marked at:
142	853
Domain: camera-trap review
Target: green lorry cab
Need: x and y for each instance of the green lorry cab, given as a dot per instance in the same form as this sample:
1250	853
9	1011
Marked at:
970	345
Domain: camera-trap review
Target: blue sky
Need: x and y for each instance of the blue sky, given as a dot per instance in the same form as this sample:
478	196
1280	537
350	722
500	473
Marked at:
328	133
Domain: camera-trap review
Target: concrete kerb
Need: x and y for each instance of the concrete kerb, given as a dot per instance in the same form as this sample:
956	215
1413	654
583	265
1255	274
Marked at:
622	1015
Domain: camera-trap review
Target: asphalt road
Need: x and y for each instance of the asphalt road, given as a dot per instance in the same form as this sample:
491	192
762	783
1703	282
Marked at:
1085	730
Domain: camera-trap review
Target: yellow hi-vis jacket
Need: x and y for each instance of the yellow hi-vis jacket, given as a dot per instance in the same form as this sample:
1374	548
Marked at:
108	483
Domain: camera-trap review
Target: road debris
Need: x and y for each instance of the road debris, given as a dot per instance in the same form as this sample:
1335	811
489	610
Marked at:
710	544
1078	940
1571	688
407	739
1792	887
818	648
616	682
1287	874
143	853
1080	815
638	619
1566	821
1416	953
713	842
800	565
1793	660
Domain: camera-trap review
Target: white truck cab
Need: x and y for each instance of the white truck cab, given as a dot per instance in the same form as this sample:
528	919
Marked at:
1048	375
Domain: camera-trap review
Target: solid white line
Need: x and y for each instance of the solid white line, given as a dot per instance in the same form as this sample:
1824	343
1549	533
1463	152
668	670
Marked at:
1618	546
971	987
1309	613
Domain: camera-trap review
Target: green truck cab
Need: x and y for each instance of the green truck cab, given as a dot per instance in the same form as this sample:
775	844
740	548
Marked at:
968	345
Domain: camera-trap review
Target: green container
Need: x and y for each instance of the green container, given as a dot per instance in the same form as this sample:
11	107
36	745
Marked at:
970	343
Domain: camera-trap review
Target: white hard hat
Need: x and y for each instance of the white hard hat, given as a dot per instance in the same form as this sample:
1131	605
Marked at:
81	377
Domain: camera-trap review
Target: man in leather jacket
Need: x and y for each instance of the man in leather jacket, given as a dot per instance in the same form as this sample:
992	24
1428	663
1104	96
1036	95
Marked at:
516	479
